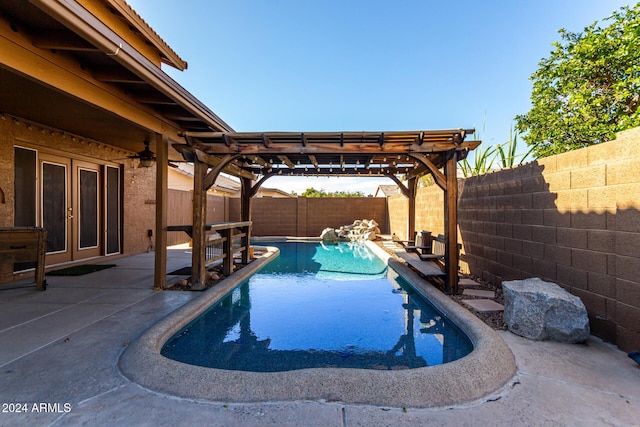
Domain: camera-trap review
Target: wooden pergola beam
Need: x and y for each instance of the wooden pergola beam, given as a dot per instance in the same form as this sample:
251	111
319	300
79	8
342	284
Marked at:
217	166
314	161
403	188
438	176
286	161
260	161
326	148
190	154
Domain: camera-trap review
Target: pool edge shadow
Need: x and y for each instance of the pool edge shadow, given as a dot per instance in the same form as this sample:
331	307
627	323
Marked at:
484	372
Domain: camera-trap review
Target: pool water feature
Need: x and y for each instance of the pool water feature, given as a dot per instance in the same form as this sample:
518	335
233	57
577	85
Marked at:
320	306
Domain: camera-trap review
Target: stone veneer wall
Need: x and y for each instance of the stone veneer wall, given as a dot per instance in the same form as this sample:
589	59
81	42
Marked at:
138	183
305	217
573	219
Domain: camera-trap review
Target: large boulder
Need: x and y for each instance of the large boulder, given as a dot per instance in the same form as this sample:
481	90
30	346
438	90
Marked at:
359	230
329	235
542	310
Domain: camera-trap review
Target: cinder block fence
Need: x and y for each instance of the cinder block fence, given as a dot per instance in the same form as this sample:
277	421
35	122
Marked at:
573	219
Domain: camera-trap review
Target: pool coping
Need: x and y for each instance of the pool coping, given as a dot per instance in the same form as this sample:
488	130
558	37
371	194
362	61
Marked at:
485	371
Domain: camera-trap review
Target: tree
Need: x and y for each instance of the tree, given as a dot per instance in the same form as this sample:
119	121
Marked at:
312	192
588	89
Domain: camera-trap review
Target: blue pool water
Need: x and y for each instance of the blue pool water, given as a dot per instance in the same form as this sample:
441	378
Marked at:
319	306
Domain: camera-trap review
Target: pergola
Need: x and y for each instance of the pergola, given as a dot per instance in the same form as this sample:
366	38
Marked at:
254	157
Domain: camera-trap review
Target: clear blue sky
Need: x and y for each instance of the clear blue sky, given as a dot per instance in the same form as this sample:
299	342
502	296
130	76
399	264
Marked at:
341	65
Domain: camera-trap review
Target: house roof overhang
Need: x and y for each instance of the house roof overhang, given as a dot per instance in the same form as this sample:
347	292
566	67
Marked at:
71	43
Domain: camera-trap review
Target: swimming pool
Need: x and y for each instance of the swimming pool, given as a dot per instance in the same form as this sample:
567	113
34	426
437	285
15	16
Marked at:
483	372
320	306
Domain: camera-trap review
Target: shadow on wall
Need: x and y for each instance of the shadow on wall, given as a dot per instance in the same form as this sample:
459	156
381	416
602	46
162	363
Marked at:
576	226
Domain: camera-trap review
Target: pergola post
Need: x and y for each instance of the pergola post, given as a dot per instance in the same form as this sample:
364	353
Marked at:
412	185
245	213
160	256
451	224
198	270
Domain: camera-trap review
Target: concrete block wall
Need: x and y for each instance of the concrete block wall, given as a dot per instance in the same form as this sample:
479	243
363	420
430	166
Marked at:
429	212
337	211
305	217
573	219
274	216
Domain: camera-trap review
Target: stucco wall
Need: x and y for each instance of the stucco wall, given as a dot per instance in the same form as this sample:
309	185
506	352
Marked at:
573	219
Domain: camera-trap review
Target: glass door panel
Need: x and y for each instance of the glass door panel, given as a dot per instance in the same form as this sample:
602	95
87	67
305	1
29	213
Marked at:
87	207
56	212
25	194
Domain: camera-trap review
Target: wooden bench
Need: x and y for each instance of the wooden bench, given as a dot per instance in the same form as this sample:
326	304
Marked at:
436	249
420	238
26	244
425	267
427	259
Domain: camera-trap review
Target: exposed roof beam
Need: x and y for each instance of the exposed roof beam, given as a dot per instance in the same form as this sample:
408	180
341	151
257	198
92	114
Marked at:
78	19
116	75
153	98
61	40
181	117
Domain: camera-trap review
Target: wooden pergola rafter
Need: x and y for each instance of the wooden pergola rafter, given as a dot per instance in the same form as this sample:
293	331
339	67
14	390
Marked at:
403	156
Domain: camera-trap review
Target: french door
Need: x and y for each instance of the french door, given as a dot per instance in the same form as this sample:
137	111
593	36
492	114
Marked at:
56	208
76	201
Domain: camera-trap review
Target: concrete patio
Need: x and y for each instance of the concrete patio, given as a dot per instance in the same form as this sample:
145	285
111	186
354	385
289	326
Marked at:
62	346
